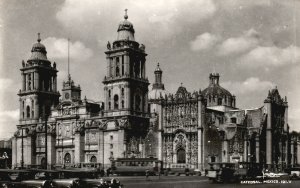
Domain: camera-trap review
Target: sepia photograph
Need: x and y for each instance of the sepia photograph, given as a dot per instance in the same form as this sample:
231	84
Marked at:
152	94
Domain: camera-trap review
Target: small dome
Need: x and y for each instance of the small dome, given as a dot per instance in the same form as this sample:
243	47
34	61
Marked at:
38	51
158	68
156	94
125	29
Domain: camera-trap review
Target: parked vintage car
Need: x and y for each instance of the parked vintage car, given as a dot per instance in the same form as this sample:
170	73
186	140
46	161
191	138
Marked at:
233	172
36	184
70	183
295	172
275	175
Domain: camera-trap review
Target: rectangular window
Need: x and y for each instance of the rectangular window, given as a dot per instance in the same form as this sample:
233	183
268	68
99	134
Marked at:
111	146
111	137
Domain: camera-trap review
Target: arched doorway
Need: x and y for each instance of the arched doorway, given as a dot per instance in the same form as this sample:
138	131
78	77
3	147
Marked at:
93	159
181	155
43	163
67	158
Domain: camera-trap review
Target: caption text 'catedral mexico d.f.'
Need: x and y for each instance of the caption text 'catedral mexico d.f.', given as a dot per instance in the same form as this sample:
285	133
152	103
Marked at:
182	130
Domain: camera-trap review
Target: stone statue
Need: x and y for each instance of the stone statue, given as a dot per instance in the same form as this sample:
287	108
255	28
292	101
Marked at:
108	45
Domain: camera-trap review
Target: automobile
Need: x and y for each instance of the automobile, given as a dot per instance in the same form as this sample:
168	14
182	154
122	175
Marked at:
221	172
233	172
295	173
70	183
275	175
36	184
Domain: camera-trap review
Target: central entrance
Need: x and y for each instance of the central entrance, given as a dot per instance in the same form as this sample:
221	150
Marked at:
181	155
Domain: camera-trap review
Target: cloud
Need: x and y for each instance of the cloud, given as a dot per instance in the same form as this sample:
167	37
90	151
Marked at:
270	57
6	84
240	44
204	41
8	121
58	48
9	115
158	18
250	85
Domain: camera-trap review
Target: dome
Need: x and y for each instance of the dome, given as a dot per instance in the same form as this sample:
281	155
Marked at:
156	94
216	95
215	90
38	51
125	29
157	69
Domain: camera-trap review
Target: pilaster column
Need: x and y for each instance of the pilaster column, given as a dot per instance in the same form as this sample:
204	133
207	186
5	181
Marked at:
269	135
51	154
298	152
144	68
108	73
27	150
225	151
292	153
101	147
55	83
128	94
257	148
36	107
79	146
23	81
245	149
127	63
14	152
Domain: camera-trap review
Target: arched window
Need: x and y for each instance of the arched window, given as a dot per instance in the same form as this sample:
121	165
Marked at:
122	103
116	102
219	101
122	92
29	81
67	158
109	93
109	105
137	103
93	159
117	66
28	112
32	108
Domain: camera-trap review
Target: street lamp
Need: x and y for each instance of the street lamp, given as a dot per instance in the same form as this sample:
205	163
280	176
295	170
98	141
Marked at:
22	156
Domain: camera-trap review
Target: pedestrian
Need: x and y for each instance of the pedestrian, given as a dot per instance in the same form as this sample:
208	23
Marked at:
114	184
108	172
147	174
102	184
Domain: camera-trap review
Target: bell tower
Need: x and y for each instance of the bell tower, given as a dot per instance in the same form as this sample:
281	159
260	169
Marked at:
126	94
39	85
126	85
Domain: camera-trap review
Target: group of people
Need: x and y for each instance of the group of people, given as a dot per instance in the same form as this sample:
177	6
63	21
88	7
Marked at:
109	184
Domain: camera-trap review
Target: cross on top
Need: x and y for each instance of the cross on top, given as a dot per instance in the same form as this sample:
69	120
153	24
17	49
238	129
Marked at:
39	37
126	16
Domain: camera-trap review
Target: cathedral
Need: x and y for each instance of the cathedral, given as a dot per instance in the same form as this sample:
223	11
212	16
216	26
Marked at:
182	130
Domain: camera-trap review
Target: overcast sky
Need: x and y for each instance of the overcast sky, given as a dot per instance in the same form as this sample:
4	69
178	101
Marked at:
252	44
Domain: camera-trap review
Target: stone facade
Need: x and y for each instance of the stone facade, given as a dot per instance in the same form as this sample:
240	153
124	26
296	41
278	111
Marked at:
201	127
183	130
